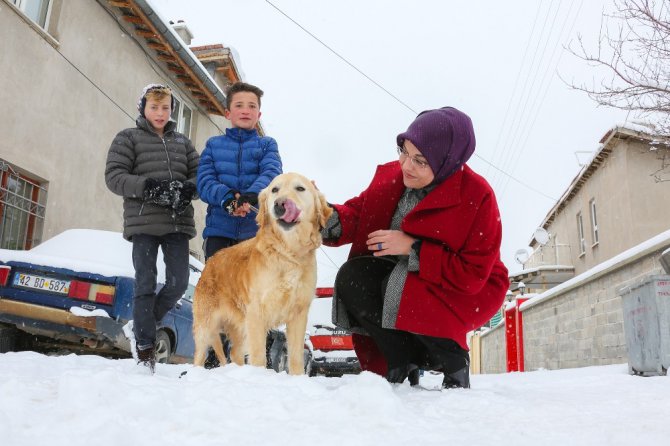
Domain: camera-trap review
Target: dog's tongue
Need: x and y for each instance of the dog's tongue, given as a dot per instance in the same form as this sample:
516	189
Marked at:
292	212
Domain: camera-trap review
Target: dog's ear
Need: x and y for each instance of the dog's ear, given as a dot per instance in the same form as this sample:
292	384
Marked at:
262	216
323	210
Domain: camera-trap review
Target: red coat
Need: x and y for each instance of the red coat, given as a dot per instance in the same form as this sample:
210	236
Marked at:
461	281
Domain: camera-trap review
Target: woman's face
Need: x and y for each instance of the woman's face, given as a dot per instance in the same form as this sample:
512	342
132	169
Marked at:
416	173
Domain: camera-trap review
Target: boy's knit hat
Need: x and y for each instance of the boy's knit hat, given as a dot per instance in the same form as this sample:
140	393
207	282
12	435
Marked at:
445	137
142	101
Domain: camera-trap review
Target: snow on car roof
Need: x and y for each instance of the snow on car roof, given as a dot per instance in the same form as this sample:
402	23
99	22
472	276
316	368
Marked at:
87	250
320	313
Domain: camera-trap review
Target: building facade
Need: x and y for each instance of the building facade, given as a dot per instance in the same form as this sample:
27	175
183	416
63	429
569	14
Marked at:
607	232
72	72
617	201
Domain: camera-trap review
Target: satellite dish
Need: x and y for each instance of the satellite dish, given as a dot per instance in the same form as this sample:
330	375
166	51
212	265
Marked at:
521	256
541	236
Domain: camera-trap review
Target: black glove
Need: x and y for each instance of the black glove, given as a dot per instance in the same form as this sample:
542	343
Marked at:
230	204
151	188
248	197
181	194
158	191
187	191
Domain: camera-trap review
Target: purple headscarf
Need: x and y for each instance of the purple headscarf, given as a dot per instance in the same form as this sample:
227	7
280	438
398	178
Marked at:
445	137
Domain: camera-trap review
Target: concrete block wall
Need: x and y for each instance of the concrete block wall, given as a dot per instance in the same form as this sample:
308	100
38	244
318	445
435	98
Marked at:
580	327
493	350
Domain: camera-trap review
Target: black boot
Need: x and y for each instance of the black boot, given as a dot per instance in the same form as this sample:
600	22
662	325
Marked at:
458	379
147	358
211	361
414	376
397	375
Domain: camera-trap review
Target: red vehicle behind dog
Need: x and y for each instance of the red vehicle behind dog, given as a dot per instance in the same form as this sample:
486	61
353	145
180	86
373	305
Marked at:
333	349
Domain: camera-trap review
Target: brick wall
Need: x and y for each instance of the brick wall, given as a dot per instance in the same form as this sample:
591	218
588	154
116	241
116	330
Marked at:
581	326
492	348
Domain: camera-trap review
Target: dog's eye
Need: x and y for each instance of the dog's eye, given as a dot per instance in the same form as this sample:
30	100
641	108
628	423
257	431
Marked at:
275	190
300	189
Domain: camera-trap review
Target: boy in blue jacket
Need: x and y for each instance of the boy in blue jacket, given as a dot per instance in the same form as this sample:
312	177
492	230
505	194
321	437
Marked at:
233	169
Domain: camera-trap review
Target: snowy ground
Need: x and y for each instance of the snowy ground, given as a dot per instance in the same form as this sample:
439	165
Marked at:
88	400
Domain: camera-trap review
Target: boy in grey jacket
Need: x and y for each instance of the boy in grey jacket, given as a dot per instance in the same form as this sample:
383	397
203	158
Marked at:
154	168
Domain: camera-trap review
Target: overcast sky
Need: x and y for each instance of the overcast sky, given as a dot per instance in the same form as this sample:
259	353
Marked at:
496	61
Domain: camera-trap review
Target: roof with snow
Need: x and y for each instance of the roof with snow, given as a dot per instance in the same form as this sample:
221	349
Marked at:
166	46
607	144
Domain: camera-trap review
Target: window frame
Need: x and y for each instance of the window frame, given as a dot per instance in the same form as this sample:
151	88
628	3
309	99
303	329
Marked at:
594	222
21	5
580	234
29	208
178	116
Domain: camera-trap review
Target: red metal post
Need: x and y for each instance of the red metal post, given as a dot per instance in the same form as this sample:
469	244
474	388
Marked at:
514	336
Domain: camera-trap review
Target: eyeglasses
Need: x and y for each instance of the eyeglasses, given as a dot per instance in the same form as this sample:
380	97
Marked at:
402	153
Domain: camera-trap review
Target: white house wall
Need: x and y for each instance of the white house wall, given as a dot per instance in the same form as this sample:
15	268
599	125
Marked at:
58	124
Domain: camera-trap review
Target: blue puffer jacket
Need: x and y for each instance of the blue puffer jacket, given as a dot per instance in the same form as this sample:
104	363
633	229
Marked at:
242	161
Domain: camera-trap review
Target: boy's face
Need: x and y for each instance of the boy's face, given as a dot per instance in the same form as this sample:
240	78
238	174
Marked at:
158	112
244	110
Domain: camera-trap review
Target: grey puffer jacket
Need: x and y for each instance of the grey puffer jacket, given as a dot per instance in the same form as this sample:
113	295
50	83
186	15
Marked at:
139	153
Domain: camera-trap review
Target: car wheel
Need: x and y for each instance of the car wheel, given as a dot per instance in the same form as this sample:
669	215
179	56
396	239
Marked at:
282	360
163	347
307	355
8	335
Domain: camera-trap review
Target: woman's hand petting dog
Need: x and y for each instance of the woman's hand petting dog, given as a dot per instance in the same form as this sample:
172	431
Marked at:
389	242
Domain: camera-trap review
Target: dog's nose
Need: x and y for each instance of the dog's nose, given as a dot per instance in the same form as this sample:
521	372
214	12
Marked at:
280	209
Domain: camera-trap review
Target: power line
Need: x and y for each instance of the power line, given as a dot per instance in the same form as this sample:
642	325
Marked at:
516	84
343	58
536	107
396	98
328	257
516	180
520	110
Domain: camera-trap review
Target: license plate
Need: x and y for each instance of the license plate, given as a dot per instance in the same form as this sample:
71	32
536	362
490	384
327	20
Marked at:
336	359
42	283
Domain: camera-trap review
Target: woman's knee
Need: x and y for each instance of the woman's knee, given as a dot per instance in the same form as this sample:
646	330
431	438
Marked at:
362	275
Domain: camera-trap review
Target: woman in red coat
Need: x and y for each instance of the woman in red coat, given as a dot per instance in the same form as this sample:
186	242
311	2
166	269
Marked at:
424	267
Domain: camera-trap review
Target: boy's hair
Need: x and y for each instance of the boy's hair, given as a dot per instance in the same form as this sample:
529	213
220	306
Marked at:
156	92
238	87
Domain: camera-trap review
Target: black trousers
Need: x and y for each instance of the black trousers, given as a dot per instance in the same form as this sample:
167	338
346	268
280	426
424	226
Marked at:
360	285
150	307
213	244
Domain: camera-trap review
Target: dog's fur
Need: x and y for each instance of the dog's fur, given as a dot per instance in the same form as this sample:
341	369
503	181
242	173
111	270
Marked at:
266	281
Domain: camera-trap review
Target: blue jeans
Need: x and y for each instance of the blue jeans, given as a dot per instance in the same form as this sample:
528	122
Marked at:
150	307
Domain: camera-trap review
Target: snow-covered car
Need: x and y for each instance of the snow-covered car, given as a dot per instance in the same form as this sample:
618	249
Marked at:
333	349
74	292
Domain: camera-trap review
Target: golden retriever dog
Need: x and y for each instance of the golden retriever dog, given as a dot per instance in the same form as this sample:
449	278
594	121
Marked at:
266	281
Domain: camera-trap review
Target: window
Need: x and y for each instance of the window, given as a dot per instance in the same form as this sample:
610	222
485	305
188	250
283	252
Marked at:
580	233
594	221
22	208
36	10
182	116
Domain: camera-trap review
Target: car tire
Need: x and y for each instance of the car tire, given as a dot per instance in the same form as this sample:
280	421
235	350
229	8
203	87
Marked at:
282	360
8	336
308	363
163	347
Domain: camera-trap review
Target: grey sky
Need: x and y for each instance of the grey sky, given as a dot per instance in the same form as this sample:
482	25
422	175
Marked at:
496	61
